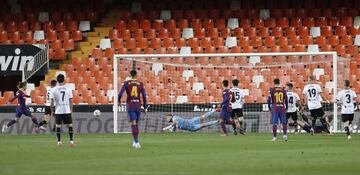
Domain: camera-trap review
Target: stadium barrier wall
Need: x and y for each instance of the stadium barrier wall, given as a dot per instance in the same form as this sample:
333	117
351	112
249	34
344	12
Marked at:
256	118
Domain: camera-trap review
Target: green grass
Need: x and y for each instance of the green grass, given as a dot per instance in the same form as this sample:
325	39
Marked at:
181	153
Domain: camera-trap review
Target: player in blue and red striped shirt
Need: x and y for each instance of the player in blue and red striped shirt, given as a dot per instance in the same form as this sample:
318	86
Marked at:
278	103
133	90
21	108
226	109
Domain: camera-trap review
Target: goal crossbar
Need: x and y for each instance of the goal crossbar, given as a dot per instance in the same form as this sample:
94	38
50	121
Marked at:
133	56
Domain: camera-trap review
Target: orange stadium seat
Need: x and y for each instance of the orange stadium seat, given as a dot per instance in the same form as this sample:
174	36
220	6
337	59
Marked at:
69	44
76	35
264	32
150	33
8	95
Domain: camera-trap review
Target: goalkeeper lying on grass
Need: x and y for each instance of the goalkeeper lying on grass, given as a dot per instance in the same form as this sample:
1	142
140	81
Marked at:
192	125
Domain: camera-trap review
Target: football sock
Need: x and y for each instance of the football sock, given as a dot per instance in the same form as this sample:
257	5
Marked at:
42	123
323	121
313	123
58	132
71	133
347	130
135	133
284	129
223	128
274	130
34	120
13	121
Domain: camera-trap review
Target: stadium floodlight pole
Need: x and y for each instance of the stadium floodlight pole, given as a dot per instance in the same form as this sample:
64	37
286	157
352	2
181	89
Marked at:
133	56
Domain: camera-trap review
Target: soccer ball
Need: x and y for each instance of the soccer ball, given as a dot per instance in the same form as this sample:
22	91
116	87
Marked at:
97	113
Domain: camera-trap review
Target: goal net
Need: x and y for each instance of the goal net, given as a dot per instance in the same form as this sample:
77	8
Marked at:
188	85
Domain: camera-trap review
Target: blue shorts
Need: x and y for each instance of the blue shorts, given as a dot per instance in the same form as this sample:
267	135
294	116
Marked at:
20	112
134	114
225	115
275	116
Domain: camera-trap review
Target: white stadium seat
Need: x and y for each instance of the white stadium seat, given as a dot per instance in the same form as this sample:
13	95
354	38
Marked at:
315	32
84	26
357	21
254	59
318	72
233	23
181	99
110	94
185	50
187	74
197	87
257	79
157	67
187	33
329	86
313	48
357	40
230	41
39	35
105	43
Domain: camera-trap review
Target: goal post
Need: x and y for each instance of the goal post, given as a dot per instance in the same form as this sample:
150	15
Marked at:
145	63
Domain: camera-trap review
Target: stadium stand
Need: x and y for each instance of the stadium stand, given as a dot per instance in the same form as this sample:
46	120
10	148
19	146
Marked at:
86	42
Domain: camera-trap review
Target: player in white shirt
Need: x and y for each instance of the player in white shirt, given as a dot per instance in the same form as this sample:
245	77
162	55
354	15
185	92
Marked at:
312	98
292	110
62	97
237	103
47	114
347	98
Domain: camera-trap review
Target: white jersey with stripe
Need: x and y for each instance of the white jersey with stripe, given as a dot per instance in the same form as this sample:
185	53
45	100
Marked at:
346	97
312	92
62	96
293	98
48	95
238	98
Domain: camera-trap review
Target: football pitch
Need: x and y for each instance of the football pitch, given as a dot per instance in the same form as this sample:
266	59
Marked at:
180	153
